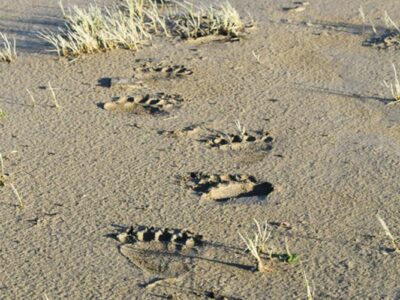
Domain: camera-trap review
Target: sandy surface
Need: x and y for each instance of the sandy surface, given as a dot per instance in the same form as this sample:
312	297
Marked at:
84	172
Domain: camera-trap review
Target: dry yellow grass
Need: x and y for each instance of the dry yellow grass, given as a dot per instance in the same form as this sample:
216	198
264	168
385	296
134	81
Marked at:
94	29
395	86
258	244
8	51
199	22
133	24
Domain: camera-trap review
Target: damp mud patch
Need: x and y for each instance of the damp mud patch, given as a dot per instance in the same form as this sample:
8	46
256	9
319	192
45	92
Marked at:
239	188
159	103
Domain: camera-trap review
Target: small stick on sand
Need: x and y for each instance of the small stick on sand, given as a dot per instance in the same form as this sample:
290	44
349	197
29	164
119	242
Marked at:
389	234
21	204
53	96
32	98
1	166
257	57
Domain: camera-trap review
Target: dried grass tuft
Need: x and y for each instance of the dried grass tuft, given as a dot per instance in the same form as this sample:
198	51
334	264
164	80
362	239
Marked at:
258	244
200	22
395	86
8	52
94	29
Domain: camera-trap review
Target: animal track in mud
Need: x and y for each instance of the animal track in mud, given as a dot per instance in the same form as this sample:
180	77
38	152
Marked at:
159	103
389	39
151	70
159	251
224	141
224	187
191	131
153	250
238	141
153	259
298	6
163	235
